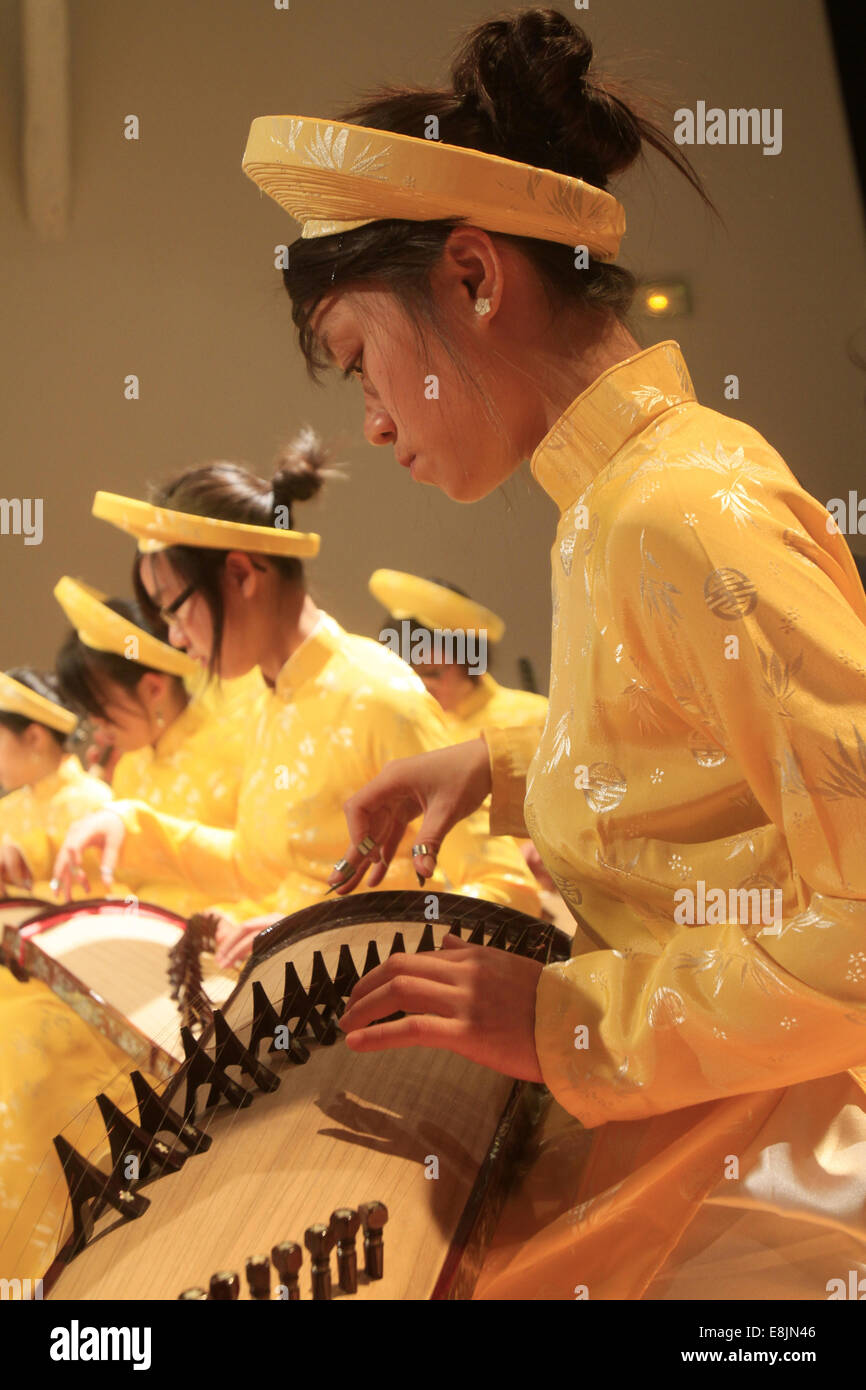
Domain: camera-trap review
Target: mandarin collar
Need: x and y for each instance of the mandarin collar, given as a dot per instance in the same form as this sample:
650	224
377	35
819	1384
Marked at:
613	409
307	660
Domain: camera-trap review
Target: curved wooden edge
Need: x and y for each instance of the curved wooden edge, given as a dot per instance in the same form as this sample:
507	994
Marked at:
462	1266
453	909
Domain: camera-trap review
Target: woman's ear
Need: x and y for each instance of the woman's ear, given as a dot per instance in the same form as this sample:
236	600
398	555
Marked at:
471	269
242	574
151	688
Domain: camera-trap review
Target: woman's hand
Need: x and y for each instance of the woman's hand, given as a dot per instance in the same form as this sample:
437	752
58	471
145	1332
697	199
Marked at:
234	940
442	786
14	869
472	1000
103	831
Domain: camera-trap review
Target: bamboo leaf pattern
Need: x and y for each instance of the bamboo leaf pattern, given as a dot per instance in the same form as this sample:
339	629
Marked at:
778	677
847	776
656	593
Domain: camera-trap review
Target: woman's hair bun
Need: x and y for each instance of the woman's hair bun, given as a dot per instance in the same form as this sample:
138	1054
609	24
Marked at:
526	74
301	468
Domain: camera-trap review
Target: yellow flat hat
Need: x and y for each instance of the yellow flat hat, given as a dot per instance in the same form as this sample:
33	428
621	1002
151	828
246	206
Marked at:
333	177
407	596
100	628
157	528
16	698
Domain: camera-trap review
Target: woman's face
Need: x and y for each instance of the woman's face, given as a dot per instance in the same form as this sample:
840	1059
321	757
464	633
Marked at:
190	627
422	402
130	719
447	682
18	763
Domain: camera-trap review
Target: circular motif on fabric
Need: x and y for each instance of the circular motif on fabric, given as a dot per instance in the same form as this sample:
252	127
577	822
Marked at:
730	594
706	753
665	1009
606	787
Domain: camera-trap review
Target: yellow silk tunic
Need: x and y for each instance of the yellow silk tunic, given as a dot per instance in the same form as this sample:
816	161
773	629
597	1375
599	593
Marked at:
491	705
706	736
37	818
193	772
341	708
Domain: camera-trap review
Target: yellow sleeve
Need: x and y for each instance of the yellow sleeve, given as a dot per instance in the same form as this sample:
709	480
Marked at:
511	751
748	620
158	847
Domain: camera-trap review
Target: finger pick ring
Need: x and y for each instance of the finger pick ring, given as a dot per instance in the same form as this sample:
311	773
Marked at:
366	846
418	850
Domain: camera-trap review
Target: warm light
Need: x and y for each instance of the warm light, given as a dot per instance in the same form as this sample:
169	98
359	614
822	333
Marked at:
664	300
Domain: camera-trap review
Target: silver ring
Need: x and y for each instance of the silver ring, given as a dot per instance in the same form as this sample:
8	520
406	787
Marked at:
341	866
418	850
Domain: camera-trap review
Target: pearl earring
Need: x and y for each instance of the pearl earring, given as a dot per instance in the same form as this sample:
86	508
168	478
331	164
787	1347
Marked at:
482	306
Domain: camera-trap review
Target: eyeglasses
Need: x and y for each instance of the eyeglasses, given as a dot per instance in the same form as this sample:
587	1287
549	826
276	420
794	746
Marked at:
169	613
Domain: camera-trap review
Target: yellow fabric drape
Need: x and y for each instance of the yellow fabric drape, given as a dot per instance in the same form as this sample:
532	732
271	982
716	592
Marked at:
706	741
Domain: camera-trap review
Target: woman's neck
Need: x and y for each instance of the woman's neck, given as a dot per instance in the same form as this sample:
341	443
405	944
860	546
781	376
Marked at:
589	355
293	622
170	708
49	762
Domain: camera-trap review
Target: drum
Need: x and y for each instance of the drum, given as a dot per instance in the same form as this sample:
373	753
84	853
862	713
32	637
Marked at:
109	960
272	1125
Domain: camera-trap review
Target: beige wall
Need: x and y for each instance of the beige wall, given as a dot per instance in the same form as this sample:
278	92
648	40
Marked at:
167	272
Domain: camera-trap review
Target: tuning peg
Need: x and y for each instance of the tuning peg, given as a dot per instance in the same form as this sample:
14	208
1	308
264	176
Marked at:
319	1240
288	1258
224	1285
344	1224
373	1215
259	1277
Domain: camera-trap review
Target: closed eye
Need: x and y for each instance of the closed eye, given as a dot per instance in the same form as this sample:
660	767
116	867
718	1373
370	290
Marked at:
356	368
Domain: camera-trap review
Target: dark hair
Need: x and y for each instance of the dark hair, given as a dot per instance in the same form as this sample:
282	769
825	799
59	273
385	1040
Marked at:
416	626
41	683
231	492
82	671
520	88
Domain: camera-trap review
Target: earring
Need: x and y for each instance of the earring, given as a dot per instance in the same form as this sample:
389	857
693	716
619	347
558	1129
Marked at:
160	719
482	306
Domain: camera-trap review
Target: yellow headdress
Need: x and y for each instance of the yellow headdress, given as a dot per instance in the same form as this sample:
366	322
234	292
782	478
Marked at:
157	528
407	596
100	628
333	177
16	698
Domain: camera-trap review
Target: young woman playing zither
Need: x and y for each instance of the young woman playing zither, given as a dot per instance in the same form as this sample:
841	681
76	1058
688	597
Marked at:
221	564
711	1061
177	754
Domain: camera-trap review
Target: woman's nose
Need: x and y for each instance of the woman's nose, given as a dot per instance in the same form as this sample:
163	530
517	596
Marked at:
379	428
